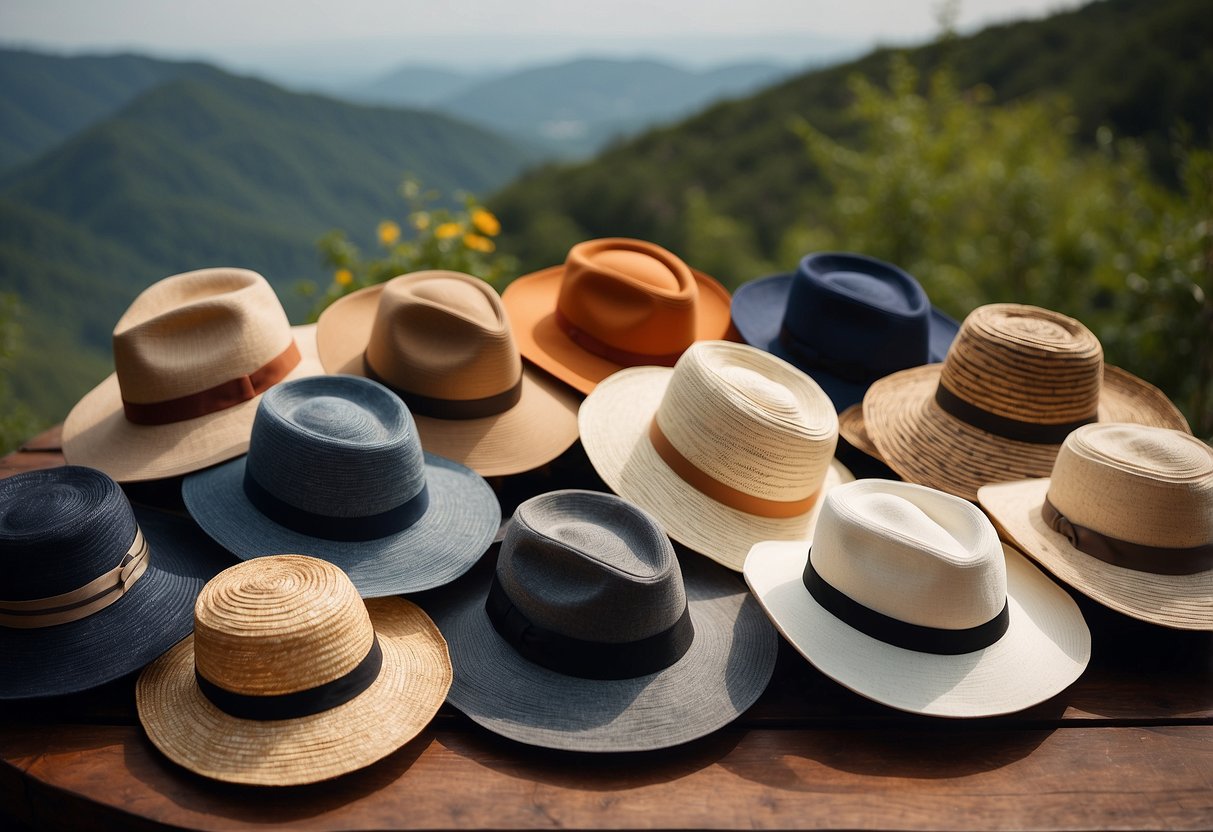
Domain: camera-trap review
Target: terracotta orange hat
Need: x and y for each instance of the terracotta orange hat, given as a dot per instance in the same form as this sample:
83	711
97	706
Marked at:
614	303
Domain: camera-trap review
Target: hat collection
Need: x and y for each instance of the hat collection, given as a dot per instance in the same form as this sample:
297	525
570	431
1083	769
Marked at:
327	470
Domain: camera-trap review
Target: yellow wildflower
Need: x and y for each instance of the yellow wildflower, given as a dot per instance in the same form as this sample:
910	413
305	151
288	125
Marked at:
389	233
344	277
421	220
478	243
446	230
486	223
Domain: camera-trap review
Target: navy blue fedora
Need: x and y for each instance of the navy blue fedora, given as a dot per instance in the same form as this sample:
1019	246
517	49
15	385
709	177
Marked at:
845	319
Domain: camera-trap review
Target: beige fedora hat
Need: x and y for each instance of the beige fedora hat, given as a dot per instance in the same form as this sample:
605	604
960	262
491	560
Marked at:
192	355
441	340
1016	381
291	678
730	446
907	597
1126	519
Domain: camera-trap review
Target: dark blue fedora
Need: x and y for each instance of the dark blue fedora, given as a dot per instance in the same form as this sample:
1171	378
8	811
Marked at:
845	319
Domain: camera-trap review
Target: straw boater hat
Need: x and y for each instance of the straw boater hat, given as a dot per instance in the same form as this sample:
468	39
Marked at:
845	319
1126	518
92	590
191	356
441	341
590	637
335	470
614	303
731	446
291	678
1017	380
907	597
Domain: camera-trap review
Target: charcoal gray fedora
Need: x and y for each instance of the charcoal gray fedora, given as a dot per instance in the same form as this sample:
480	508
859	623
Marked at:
335	470
590	635
93	589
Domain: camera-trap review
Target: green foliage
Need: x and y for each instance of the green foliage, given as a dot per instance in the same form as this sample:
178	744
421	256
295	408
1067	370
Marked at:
16	421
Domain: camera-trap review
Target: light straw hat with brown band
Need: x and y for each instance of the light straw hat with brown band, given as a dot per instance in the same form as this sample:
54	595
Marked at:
1016	381
614	303
442	342
730	446
192	355
1126	518
291	678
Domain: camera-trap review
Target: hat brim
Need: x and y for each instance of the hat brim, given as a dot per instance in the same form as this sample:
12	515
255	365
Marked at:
1179	601
531	303
852	428
1046	647
758	310
96	432
194	733
456	529
536	430
726	669
156	613
615	433
926	445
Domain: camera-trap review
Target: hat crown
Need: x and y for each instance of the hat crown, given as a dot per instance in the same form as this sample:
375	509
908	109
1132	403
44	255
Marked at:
1146	485
339	446
591	566
1027	364
279	624
629	294
193	331
444	335
61	528
749	420
911	553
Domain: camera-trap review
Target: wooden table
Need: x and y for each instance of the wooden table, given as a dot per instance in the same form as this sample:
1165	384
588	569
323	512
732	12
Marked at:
1129	746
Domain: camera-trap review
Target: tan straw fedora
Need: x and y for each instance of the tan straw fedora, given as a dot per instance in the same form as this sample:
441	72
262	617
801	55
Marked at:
442	342
1016	381
192	355
291	678
614	303
731	446
907	597
1126	518
852	428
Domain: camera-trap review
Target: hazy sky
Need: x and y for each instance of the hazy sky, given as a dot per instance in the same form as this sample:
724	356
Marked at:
357	35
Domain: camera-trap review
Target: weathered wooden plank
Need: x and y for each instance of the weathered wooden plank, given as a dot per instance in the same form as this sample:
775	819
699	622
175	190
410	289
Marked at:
50	439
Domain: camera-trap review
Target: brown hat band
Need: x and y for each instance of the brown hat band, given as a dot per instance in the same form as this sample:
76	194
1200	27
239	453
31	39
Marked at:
80	603
1006	427
1139	557
450	408
615	355
220	397
717	490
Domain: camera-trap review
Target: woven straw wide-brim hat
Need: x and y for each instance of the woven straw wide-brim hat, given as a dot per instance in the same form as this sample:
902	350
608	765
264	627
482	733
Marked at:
907	597
335	469
192	355
442	342
845	319
851	427
614	303
1126	519
92	590
291	678
1017	380
731	446
589	635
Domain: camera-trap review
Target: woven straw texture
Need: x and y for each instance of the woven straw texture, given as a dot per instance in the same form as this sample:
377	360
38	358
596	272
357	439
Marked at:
285	624
851	427
1142	485
445	335
182	335
631	294
1017	362
592	566
744	417
927	558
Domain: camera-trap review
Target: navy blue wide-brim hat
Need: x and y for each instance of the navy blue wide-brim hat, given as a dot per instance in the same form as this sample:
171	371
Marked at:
69	531
844	319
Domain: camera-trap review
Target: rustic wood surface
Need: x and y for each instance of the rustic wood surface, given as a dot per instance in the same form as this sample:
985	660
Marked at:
1129	746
